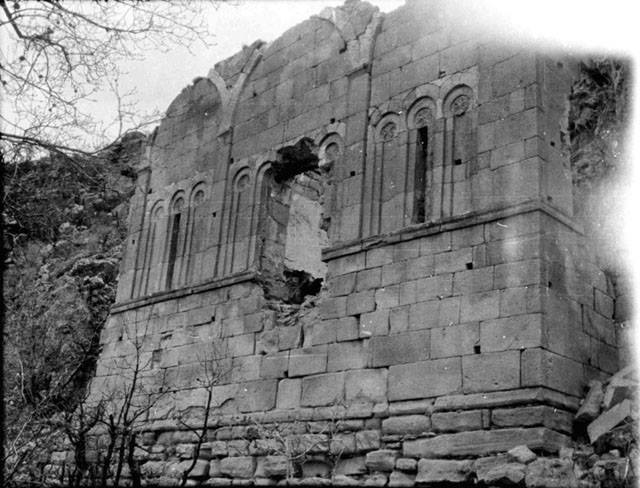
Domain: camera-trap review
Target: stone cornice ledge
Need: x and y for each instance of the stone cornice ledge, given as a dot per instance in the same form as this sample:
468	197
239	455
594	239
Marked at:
187	290
453	223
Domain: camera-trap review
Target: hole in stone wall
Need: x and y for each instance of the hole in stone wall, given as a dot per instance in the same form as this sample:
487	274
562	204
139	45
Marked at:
441	73
549	284
294	160
469	265
294	224
214	214
560	65
457	162
231	161
352	173
476	349
332	121
301	284
552	143
149	191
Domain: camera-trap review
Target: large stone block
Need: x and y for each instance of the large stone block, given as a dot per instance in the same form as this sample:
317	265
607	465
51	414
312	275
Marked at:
303	362
401	348
455	340
321	390
516	332
289	391
374	324
348	355
480	306
545	368
406	424
425	379
361	302
238	467
491	371
366	385
443	471
553	418
458	421
254	396
381	460
480	442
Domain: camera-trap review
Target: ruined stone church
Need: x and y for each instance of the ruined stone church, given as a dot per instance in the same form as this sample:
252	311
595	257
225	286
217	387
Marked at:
365	230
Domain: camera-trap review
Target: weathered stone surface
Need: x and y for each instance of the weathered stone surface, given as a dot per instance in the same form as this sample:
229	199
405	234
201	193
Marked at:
400	348
367	440
407	424
443	471
609	419
590	407
522	454
400	479
408	407
457	421
551	473
351	466
424	379
529	416
238	467
509	474
199	470
406	464
501	398
381	460
366	385
152	469
481	442
324	389
275	466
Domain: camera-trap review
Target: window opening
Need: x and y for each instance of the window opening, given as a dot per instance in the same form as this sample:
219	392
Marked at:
420	177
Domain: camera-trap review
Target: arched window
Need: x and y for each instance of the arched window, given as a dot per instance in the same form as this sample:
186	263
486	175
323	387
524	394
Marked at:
196	233
239	234
330	154
460	150
175	226
420	160
384	205
152	258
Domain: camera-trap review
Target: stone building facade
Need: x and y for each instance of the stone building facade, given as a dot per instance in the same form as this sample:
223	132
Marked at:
366	227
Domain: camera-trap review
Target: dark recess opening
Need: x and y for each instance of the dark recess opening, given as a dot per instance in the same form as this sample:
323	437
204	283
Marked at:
173	248
300	285
420	176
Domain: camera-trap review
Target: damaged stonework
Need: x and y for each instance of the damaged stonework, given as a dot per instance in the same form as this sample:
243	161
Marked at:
373	230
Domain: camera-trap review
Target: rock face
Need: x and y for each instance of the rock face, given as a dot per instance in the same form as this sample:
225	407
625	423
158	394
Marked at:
363	227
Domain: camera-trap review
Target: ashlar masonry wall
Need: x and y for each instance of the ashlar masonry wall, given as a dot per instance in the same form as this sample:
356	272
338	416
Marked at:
366	226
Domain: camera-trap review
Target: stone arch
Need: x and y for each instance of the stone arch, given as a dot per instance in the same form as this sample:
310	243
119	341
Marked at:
460	150
152	259
195	231
421	124
428	91
330	156
239	224
176	231
386	176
